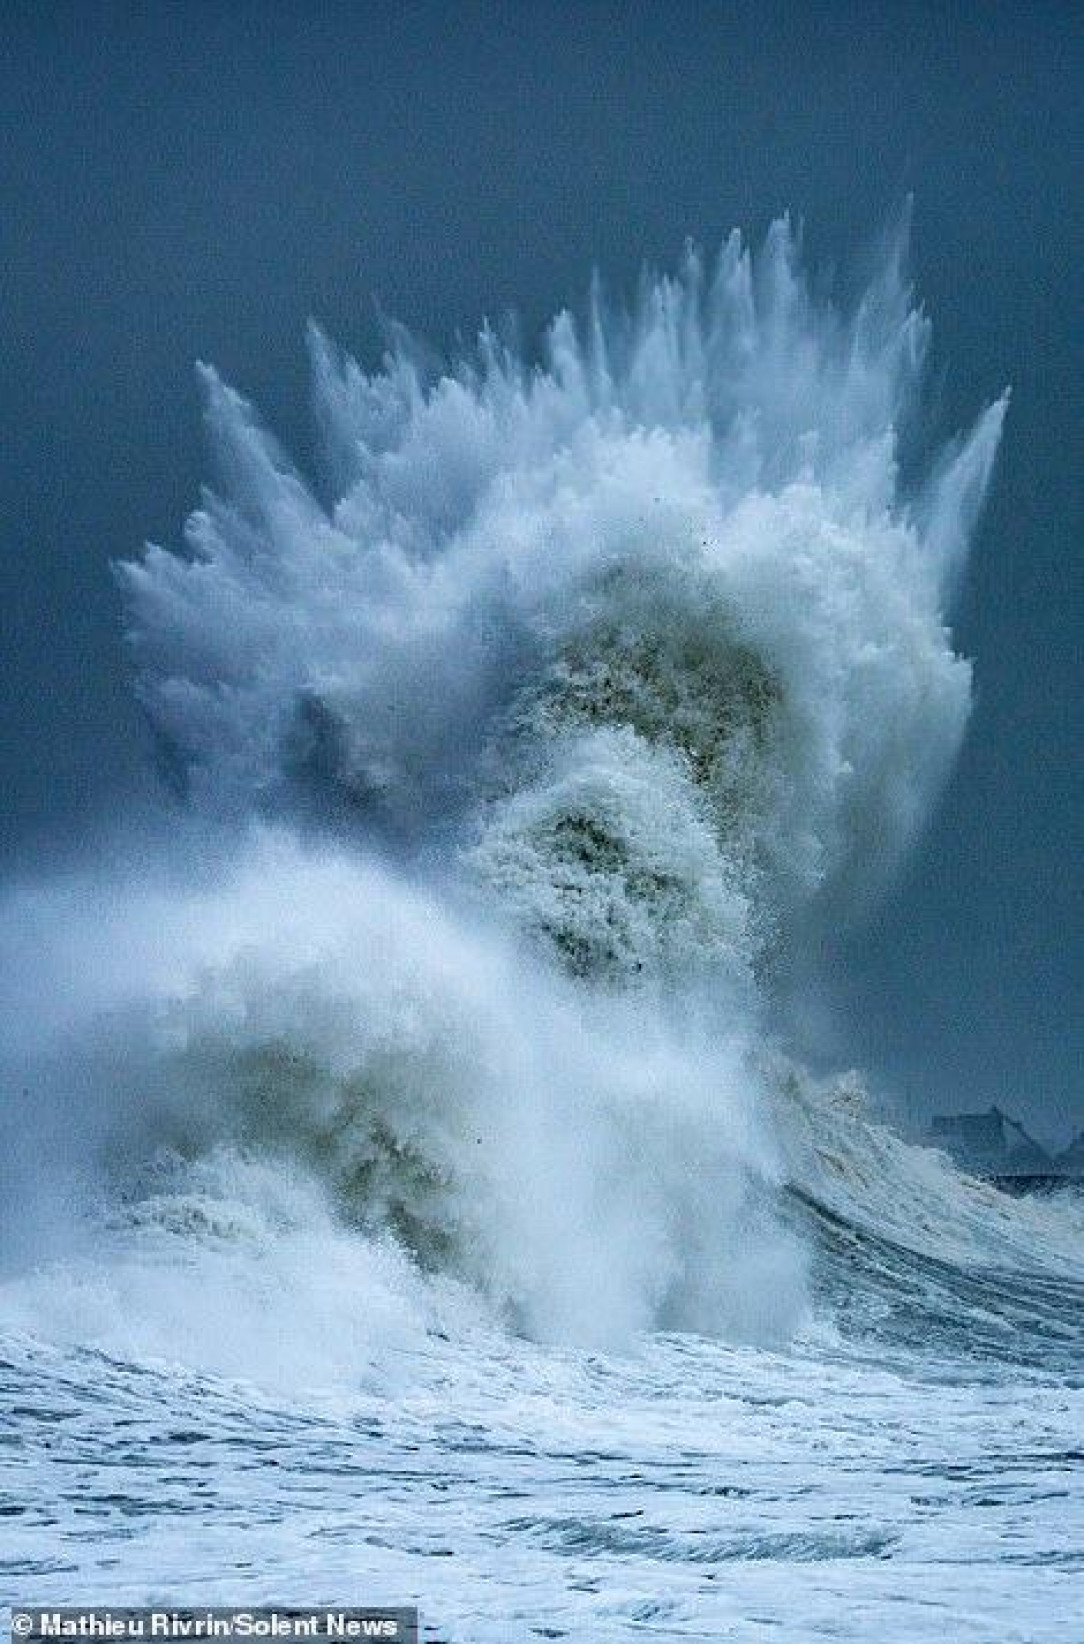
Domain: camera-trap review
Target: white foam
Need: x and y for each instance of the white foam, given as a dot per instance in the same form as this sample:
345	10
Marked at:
635	665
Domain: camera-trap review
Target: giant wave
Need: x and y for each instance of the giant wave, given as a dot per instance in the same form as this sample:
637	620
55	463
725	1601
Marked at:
523	744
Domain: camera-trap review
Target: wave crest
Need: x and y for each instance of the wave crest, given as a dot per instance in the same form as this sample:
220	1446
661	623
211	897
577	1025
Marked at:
635	664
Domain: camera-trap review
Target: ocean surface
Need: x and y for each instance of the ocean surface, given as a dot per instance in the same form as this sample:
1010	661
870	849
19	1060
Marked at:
909	1469
413	1189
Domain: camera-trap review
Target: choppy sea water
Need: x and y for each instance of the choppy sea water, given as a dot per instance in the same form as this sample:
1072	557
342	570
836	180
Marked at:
415	1190
912	1471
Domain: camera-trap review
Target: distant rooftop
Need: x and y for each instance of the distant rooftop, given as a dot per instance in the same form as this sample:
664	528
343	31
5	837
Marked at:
1071	1161
991	1144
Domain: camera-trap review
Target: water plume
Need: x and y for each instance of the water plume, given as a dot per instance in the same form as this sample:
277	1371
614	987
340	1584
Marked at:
571	694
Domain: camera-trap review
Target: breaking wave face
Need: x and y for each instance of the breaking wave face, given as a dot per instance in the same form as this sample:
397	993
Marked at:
571	699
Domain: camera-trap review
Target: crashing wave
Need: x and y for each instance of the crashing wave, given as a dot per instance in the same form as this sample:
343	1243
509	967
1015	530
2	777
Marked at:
591	684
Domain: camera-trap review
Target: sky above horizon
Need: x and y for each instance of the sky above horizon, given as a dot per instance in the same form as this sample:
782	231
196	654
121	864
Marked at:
195	180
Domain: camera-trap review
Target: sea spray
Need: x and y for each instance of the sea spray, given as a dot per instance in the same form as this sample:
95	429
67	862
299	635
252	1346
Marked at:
571	696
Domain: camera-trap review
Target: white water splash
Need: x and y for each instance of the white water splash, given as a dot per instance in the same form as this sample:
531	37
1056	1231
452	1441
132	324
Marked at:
633	666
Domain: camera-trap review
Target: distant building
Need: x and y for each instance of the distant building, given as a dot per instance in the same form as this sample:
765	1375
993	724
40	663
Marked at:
990	1144
1071	1162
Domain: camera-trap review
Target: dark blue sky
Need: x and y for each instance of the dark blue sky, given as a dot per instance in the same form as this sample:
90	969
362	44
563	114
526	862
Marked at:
195	179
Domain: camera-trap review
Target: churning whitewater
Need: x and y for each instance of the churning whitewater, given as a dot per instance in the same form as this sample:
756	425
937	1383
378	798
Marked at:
437	1174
